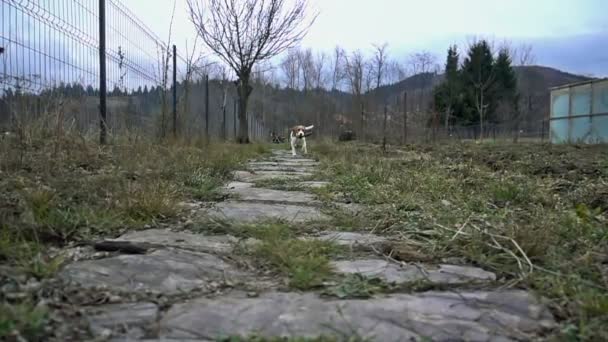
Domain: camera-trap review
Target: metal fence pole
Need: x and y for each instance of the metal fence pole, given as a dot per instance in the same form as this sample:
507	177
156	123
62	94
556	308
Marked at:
224	129
404	118
207	108
384	128
174	91
236	106
103	91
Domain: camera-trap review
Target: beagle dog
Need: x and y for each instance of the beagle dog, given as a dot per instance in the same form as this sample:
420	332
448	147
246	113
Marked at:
299	133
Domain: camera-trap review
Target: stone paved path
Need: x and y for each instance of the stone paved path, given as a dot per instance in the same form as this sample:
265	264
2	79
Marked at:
209	294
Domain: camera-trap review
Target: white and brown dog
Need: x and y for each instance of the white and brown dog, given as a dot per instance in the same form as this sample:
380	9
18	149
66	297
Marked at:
298	134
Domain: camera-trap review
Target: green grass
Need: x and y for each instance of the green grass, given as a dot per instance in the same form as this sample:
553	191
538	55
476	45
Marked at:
61	189
304	263
22	322
513	204
58	189
28	257
355	286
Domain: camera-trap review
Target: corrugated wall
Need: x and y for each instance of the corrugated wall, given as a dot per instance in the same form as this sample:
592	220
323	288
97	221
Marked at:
579	113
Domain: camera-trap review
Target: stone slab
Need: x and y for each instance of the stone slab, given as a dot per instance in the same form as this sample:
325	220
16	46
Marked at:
273	196
392	272
352	239
281	152
313	184
436	316
166	271
254	211
290	159
198	242
127	320
287	164
246	176
239	185
282	168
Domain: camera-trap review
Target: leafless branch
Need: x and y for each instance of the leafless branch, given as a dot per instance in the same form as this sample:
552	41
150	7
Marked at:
245	32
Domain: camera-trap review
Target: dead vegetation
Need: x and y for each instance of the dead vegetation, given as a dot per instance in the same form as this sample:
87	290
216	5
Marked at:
60	188
534	214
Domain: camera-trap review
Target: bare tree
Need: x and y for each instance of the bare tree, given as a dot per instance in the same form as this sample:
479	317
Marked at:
290	65
164	58
380	63
245	32
524	57
355	68
319	75
395	71
369	76
337	66
192	62
305	59
422	64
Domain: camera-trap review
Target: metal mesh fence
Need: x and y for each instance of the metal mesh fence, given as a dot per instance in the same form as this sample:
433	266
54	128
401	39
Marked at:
50	66
50	72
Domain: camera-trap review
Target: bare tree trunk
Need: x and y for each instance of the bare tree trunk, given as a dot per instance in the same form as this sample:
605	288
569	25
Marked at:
244	90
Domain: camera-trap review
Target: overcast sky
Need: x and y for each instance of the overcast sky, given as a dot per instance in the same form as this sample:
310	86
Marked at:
571	35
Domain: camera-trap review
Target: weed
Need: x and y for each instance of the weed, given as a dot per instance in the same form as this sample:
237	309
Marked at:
22	322
544	206
284	184
28	256
149	201
355	286
305	262
203	186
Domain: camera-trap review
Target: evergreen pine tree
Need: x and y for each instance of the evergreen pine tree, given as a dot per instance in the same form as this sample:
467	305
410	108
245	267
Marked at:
479	81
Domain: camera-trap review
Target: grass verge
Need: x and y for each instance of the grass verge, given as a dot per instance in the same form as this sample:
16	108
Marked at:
535	214
22	322
55	190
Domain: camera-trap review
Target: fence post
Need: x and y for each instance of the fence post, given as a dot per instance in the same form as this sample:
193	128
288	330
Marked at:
207	108
361	134
384	128
542	132
103	91
236	108
174	91
404	118
224	129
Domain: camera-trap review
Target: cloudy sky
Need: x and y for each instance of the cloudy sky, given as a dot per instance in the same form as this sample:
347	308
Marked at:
571	35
